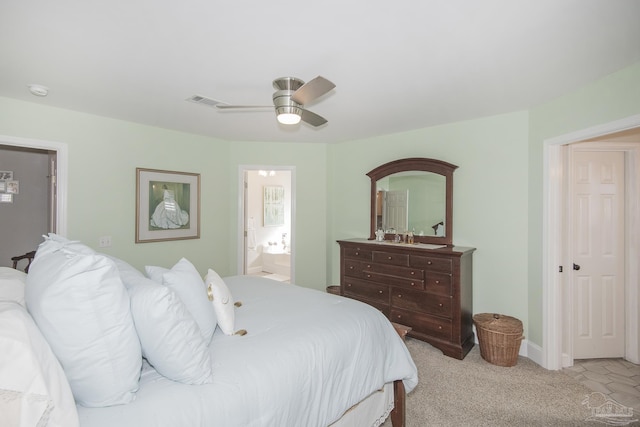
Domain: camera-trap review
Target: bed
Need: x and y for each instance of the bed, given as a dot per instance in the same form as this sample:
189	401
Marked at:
301	358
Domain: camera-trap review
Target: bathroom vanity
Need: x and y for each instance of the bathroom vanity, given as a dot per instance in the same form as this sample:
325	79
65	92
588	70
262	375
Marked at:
427	284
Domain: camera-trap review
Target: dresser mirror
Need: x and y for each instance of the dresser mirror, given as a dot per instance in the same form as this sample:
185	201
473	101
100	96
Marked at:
413	195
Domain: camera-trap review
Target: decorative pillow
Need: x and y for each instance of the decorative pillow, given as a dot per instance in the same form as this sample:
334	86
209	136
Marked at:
170	337
79	303
12	283
186	282
33	387
222	302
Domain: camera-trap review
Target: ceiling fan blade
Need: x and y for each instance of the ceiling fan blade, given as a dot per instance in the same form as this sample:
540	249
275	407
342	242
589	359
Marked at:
312	118
311	90
230	107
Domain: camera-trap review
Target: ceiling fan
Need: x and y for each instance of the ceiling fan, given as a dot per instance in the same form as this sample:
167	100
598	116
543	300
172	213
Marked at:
290	97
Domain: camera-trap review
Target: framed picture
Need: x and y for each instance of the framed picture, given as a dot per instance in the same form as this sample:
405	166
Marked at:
13	187
167	205
273	204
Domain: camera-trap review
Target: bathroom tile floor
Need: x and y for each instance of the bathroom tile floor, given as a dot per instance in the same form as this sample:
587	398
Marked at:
618	379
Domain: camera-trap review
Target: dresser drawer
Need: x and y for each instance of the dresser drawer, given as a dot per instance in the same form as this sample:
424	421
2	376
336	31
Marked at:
357	253
368	290
438	283
391	258
355	268
431	263
394	280
395	270
423	323
423	302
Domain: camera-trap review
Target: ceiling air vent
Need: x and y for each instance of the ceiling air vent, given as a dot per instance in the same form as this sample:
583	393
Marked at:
198	99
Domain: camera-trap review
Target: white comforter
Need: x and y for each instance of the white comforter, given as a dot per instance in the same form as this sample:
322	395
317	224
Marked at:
306	358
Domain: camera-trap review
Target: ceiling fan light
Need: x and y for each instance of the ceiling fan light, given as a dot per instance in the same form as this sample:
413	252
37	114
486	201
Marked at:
288	115
288	118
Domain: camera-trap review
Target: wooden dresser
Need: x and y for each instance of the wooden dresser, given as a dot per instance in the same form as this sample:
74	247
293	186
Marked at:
429	290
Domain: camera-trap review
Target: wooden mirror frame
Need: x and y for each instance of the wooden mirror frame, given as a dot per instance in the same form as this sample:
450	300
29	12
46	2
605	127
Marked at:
417	164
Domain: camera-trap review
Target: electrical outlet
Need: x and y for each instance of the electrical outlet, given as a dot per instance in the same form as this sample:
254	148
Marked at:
104	241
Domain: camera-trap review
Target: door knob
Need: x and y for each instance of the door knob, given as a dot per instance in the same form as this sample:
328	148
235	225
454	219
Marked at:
576	266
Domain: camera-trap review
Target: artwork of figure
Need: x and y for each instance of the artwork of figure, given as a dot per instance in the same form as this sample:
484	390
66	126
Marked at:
168	214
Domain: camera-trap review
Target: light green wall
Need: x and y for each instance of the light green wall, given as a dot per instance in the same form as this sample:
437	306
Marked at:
103	156
310	232
490	198
497	188
612	98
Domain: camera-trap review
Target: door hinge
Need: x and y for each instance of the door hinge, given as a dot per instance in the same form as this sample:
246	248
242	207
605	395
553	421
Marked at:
560	269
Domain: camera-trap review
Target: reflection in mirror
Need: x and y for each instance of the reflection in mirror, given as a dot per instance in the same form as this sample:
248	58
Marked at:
413	201
413	195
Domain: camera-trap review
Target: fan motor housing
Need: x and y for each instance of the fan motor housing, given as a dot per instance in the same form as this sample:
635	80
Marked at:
284	104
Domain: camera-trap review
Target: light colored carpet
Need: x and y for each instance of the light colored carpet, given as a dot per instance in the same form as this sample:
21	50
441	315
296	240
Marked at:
473	392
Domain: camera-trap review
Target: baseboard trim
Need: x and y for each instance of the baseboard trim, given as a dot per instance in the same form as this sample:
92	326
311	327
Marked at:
535	353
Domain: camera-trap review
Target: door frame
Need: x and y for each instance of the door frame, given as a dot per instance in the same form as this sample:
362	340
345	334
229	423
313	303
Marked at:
554	355
241	240
62	167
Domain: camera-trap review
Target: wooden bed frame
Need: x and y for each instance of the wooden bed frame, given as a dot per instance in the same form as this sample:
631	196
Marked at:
398	412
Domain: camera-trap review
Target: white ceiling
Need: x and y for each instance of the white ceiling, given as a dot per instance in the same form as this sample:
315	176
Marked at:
397	65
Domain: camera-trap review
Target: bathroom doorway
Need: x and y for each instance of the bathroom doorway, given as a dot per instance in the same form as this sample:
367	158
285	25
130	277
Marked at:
39	205
267	222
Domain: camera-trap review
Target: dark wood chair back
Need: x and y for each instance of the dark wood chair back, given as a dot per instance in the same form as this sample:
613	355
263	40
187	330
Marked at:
28	256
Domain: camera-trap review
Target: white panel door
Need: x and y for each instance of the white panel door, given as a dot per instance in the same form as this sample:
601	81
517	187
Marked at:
397	210
598	254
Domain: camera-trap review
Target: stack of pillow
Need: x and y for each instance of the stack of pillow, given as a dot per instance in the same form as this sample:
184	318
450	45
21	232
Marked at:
33	387
100	316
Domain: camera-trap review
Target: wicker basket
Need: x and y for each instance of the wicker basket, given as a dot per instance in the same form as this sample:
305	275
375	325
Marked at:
333	289
499	337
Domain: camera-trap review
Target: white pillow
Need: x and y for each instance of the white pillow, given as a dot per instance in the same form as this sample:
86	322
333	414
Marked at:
82	308
12	283
222	302
53	242
170	337
186	282
155	273
33	387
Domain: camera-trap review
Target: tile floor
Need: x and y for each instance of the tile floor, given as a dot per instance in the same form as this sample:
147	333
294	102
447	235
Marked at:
616	378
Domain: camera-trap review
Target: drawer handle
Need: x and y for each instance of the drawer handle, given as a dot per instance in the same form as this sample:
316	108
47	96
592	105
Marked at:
399	295
349	284
429	262
413	273
439	326
399	316
351	267
368	265
379	292
389	257
357	253
368	276
440	305
437	282
413	283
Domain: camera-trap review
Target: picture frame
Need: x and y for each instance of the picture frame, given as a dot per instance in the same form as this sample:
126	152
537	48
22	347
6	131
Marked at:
273	205
167	205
